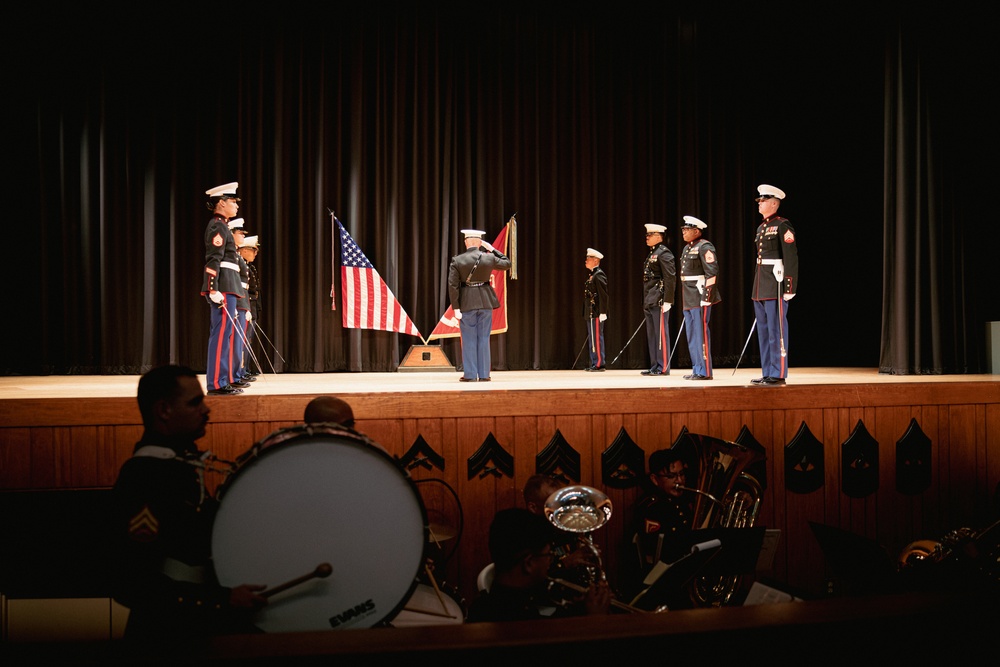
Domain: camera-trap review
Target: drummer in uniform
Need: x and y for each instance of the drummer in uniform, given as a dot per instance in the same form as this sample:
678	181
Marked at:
658	276
699	274
775	283
162	524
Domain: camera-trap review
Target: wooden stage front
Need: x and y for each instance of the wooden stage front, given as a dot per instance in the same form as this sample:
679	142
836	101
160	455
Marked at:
73	432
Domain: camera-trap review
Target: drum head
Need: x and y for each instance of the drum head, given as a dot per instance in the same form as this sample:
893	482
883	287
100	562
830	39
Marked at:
321	498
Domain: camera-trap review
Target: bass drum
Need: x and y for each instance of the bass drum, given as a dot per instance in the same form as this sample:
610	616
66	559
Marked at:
314	495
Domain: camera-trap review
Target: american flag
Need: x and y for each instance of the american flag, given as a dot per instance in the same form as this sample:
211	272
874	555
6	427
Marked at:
367	301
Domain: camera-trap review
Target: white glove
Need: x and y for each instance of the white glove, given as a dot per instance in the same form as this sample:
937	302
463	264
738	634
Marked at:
705	303
216	296
488	245
603	317
666	307
249	316
787	297
458	314
778	271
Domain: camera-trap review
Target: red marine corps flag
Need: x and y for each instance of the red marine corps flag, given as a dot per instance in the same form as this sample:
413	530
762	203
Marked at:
447	326
366	299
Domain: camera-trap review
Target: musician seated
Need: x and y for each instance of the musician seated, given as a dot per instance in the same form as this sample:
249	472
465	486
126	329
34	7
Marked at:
521	548
162	524
663	515
329	409
570	555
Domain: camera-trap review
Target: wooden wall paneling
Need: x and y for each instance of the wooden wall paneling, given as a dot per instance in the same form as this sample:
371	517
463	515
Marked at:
388	433
77	449
530	441
505	431
887	467
840	508
964	495
942	466
984	483
992	466
932	508
482	495
898	517
43	472
802	508
106	455
15	457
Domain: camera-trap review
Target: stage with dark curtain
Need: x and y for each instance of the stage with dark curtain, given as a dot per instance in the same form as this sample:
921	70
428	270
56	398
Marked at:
411	121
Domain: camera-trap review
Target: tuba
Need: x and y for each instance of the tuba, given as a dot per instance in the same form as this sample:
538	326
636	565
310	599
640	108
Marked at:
582	510
726	497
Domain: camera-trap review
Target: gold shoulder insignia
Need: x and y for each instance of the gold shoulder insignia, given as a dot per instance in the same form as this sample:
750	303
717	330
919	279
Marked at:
143	527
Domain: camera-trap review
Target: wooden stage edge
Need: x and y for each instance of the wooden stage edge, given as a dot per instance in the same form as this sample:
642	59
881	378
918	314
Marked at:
65	400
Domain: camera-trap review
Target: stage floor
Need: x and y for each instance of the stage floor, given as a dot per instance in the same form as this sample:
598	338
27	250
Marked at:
119	386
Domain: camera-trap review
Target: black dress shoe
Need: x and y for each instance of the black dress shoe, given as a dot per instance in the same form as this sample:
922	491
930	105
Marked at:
758	381
465	379
485	379
239	384
597	369
589	368
228	390
651	372
248	378
770	382
689	376
696	376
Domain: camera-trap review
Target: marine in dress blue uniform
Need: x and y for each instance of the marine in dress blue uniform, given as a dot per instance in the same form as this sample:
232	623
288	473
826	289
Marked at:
775	283
248	251
221	287
242	307
473	300
658	277
595	308
699	292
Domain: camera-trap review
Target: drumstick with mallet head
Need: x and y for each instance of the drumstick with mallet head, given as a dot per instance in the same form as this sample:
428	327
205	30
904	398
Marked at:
322	571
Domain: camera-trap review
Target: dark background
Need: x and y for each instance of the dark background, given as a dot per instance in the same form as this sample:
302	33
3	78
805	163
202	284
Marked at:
414	120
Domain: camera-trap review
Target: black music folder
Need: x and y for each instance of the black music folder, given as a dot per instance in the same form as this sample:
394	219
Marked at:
709	552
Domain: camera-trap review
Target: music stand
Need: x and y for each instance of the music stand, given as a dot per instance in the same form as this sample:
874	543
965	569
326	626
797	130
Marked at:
737	554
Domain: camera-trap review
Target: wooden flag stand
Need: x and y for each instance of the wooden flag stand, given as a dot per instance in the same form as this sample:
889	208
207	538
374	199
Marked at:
425	358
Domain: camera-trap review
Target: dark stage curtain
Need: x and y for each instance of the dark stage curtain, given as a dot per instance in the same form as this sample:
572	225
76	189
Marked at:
411	122
936	180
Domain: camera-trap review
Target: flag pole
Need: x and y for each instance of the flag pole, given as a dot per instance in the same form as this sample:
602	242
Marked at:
512	245
333	260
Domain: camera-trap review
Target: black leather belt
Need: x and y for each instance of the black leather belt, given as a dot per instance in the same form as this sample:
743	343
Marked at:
475	284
